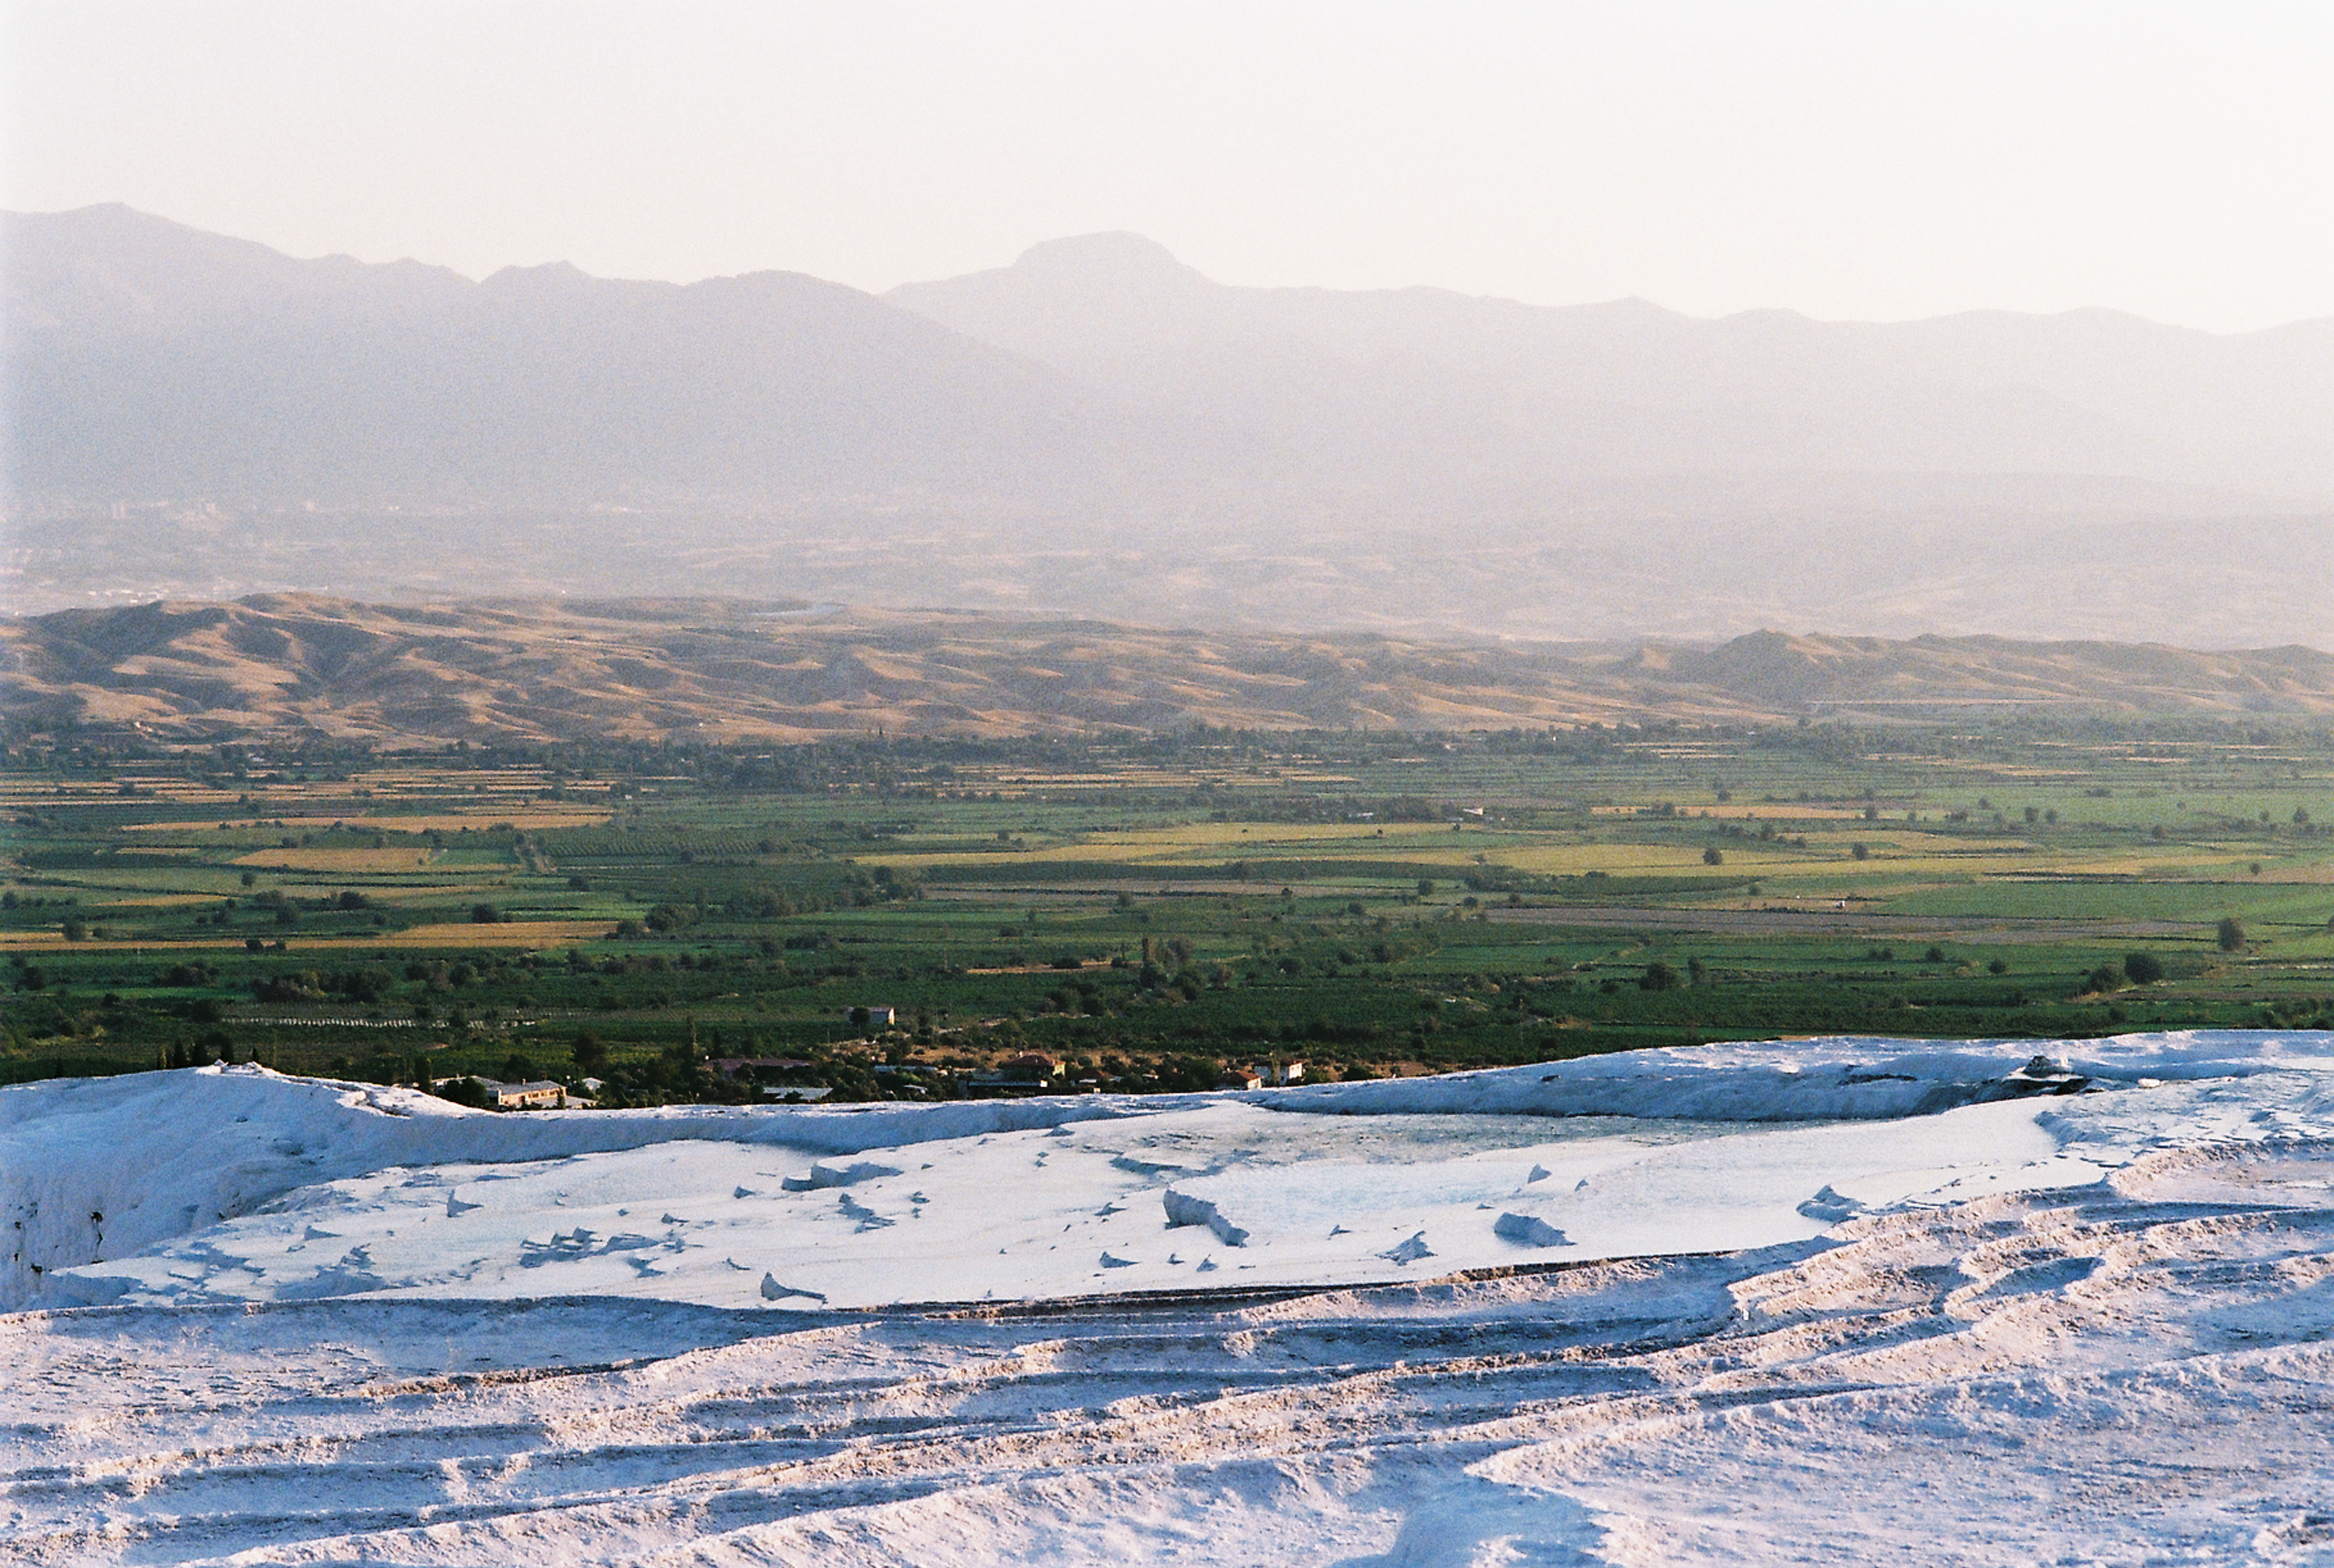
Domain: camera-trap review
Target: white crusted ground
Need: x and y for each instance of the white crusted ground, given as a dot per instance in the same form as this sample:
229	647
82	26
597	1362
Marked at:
280	1321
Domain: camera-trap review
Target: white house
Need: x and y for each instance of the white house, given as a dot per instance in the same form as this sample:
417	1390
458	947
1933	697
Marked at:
540	1095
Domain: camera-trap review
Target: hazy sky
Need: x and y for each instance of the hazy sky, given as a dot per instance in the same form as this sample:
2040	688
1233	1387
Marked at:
1864	159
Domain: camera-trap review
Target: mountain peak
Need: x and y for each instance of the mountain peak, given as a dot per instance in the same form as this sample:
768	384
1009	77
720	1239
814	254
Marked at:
556	275
1118	254
1069	299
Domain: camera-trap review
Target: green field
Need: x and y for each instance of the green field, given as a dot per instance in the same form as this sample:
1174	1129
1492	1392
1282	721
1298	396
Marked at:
1153	910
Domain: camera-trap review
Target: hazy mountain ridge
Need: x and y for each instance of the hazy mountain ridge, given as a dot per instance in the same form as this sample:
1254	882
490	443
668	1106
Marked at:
1628	386
728	671
1100	430
148	358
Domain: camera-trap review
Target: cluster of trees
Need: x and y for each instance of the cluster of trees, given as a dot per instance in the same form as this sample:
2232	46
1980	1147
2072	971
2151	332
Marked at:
2137	969
362	987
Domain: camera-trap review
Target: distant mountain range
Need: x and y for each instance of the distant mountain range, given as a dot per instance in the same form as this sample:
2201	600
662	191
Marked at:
1431	391
289	667
1100	429
146	360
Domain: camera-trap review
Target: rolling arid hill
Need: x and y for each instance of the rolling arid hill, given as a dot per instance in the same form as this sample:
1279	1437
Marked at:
285	666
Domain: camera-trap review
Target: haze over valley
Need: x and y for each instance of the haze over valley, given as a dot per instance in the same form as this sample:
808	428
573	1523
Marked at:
1099	430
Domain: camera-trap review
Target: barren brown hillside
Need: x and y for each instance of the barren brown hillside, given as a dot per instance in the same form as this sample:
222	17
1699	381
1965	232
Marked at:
283	665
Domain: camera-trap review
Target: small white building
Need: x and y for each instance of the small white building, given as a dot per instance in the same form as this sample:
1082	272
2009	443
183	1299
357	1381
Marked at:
540	1095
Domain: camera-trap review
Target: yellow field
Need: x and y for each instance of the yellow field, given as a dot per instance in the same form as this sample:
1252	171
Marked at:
52	942
1620	859
1901	855
404	858
1900	861
131	898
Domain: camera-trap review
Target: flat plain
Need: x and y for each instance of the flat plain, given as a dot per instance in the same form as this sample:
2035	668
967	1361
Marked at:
1154	910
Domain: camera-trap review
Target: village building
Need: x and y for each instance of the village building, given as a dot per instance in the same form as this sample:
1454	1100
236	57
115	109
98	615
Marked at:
541	1095
1030	1070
